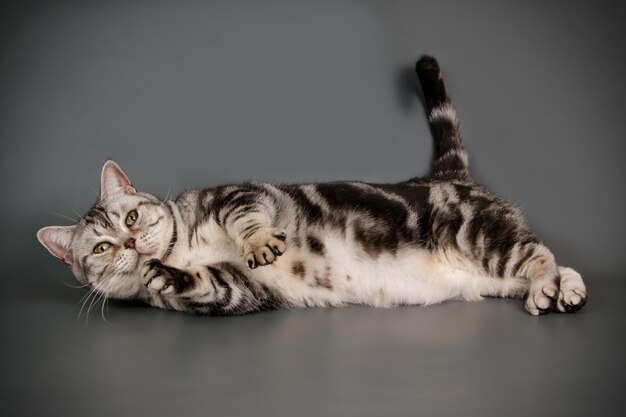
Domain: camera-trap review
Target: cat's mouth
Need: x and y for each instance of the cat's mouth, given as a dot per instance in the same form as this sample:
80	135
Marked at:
143	249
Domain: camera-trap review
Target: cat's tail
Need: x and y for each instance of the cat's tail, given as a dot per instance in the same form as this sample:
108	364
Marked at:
451	160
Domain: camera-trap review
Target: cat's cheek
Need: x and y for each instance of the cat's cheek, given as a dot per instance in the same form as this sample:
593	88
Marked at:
143	247
148	244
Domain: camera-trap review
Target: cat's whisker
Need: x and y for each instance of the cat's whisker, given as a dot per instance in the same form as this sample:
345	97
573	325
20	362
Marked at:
79	216
105	299
65	217
101	292
104	303
155	232
167	196
75	286
94	301
84	300
84	296
93	294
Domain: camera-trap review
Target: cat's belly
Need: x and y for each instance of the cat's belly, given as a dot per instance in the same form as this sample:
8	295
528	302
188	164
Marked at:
344	274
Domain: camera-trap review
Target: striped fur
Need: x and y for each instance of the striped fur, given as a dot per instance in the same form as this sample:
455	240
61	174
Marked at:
237	249
451	160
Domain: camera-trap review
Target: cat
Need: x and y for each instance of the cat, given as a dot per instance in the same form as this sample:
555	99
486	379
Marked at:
237	249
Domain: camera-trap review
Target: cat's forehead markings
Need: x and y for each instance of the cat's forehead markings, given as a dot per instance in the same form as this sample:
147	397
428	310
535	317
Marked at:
148	203
98	215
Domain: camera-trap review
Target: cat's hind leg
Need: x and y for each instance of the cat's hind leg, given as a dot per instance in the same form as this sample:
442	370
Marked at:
532	271
552	287
572	294
539	267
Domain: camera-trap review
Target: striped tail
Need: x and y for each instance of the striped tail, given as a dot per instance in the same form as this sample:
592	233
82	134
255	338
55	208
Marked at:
451	160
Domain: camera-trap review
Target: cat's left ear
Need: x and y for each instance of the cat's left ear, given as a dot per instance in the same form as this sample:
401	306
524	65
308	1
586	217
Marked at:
113	181
57	239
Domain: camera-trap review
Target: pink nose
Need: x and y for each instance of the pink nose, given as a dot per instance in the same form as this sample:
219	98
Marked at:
130	243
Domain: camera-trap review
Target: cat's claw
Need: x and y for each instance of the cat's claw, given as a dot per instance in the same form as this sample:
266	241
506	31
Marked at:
264	247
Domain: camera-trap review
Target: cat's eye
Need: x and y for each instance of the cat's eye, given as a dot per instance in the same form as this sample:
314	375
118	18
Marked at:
101	247
131	218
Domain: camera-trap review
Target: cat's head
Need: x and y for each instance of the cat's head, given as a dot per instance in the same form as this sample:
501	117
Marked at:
107	248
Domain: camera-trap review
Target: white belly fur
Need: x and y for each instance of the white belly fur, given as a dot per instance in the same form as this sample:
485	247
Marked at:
411	276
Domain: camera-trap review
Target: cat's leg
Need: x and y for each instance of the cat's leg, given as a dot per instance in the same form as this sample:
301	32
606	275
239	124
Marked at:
572	294
217	289
550	287
531	270
249	218
541	269
167	280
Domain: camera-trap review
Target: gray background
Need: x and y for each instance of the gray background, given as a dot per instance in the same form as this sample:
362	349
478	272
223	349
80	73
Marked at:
186	94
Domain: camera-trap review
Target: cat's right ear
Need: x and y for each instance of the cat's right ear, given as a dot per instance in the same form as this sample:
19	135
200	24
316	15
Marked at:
113	181
57	240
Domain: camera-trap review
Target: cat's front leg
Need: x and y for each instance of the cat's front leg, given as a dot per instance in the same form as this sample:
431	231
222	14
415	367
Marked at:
167	280
252	227
216	289
251	214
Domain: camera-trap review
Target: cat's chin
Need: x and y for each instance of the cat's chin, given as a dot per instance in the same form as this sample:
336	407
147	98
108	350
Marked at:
127	290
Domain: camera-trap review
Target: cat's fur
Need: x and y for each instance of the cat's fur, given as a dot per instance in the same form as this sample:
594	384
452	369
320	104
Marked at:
238	249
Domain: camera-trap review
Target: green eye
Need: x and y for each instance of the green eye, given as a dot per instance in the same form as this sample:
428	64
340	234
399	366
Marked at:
131	218
101	247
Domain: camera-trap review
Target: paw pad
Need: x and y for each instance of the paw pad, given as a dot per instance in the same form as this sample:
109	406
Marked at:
264	247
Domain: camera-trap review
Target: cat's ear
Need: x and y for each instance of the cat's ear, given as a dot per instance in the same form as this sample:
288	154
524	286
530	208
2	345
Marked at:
57	240
113	181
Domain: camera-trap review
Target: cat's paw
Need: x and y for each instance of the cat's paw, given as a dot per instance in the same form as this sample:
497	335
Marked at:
542	296
264	247
164	279
573	294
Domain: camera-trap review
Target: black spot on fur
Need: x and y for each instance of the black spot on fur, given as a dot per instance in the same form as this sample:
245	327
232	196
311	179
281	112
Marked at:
315	245
323	280
298	268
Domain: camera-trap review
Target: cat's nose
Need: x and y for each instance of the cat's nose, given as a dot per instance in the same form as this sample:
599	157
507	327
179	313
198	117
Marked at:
130	243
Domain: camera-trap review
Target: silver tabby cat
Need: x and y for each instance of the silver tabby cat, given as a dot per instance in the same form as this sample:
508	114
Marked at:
238	249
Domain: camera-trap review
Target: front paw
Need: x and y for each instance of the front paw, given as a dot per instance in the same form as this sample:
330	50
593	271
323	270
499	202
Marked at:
264	247
165	279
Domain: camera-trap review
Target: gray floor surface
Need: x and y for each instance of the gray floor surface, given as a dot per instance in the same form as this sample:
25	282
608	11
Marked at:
463	359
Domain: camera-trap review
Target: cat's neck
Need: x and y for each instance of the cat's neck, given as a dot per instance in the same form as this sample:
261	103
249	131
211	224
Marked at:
176	229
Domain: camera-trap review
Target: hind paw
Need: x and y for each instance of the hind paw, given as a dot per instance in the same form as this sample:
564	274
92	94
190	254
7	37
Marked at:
542	296
573	294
